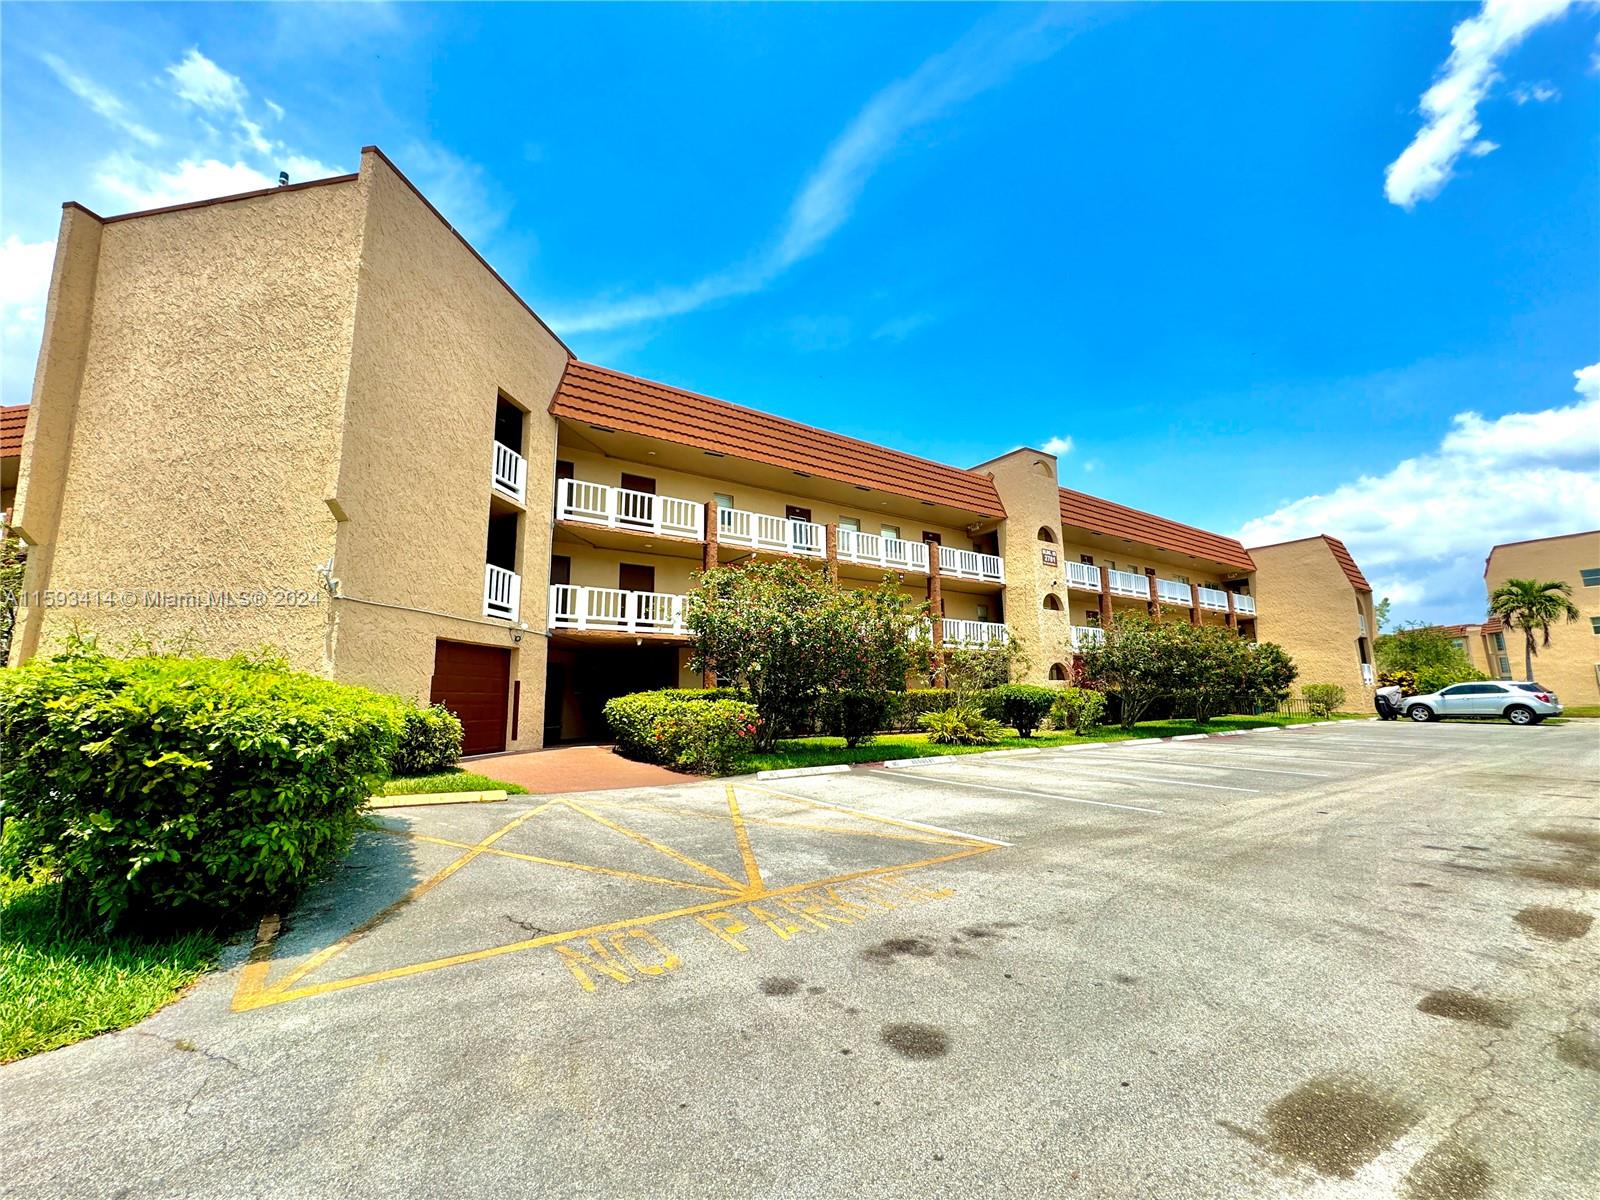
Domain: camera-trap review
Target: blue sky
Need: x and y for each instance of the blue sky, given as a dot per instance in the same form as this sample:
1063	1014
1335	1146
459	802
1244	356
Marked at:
1169	234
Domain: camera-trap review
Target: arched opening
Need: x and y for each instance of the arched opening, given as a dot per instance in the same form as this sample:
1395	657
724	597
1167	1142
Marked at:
1058	673
1052	602
1045	535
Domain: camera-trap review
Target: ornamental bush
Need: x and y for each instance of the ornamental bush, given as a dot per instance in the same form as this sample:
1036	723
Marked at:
430	742
1323	698
708	737
164	790
856	716
1023	706
1078	709
962	725
907	708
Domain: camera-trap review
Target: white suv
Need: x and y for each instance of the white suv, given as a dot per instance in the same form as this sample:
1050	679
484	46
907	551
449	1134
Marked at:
1519	703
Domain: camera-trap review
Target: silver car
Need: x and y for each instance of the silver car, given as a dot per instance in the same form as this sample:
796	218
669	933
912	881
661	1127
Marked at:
1519	703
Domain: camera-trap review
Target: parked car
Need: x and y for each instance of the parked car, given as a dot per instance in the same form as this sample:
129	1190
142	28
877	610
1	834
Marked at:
1519	703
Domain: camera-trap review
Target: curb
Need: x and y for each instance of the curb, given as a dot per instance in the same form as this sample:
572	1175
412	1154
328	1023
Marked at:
897	764
424	799
802	772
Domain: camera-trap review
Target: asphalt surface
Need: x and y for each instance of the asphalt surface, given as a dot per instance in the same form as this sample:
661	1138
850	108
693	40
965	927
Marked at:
1335	961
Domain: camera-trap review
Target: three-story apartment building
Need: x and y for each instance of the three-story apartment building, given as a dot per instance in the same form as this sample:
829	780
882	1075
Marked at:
314	418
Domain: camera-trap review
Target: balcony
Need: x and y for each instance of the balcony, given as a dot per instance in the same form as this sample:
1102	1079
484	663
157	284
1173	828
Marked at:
1082	575
735	527
622	508
1214	598
889	553
502	593
1126	583
969	564
973	633
1170	591
509	474
1244	605
612	610
1087	635
1366	674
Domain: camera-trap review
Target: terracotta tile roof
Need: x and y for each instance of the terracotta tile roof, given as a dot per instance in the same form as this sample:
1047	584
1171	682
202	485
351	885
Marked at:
1487	625
1347	564
612	400
13	420
1103	516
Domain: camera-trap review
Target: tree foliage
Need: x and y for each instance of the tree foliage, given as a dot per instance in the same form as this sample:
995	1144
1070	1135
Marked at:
787	637
1428	653
1532	606
1202	669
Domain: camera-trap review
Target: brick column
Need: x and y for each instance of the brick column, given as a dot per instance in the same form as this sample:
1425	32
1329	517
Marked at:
1105	595
709	678
1153	604
1232	619
935	600
830	541
1194	604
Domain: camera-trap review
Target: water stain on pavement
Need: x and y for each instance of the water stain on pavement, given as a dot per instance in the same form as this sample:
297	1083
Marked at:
1579	866
1446	1172
1579	1049
887	952
780	985
1464	1006
912	1040
1332	1125
1556	924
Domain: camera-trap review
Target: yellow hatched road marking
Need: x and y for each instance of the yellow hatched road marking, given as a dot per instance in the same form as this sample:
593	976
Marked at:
658	847
752	869
926	839
575	866
955	838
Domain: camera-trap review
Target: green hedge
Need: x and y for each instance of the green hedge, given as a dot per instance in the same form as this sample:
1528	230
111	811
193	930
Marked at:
174	790
430	742
683	730
1023	706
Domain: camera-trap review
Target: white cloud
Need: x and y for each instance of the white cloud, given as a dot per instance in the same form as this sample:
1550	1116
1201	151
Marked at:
1450	106
24	287
1421	529
138	184
984	58
204	84
1059	446
457	188
1535	93
100	100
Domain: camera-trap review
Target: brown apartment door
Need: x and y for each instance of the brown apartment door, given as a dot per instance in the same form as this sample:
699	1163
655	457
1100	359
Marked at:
795	513
474	682
632	577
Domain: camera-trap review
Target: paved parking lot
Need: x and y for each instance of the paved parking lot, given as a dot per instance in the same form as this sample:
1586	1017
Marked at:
1334	961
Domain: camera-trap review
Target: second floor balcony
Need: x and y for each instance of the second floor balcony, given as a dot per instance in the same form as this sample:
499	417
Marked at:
1127	583
979	634
1087	635
1213	598
622	508
613	610
889	553
509	473
1170	591
1084	576
502	593
1244	605
736	527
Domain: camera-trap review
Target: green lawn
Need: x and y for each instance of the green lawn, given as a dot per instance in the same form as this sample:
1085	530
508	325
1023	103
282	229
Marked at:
824	751
58	987
453	780
1581	710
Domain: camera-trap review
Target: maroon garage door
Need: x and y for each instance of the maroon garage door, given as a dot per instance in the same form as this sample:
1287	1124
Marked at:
474	682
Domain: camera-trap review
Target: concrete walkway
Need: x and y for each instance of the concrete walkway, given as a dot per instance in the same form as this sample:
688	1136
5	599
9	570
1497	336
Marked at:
573	769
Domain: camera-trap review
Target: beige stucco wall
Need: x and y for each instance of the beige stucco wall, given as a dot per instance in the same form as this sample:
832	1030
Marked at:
438	340
186	418
1026	482
1308	606
1568	663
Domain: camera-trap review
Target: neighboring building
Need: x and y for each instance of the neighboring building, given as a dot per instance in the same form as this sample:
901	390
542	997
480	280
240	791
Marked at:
314	418
1484	644
1570	664
13	420
1317	605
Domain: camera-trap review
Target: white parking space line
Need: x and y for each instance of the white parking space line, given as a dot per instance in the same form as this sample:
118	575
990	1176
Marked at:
1132	776
1211	766
861	812
945	781
1290	757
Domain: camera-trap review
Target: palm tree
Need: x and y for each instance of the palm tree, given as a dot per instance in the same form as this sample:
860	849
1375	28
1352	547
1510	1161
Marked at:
1529	605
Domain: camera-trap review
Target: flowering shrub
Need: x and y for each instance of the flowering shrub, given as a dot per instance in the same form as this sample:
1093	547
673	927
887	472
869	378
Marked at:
1078	709
708	737
1323	698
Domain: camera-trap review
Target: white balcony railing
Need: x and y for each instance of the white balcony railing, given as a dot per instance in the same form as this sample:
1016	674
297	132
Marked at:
1082	575
1087	635
623	508
1366	674
1244	605
1126	583
509	473
1361	625
612	609
869	548
736	527
502	592
1214	598
1170	591
973	633
970	564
